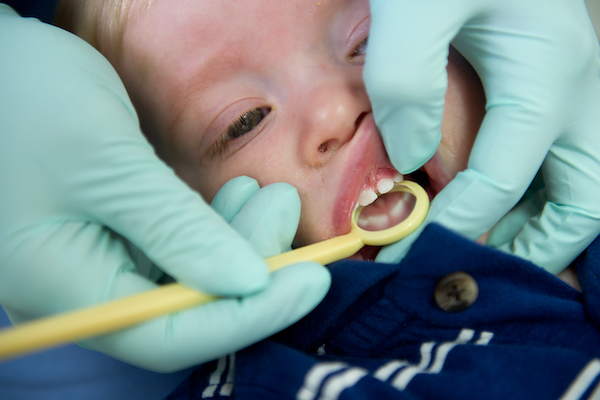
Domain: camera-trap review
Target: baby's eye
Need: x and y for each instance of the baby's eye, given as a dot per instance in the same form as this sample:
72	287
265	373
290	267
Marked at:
246	122
361	49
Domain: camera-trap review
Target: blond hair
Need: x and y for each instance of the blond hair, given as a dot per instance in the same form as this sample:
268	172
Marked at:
99	22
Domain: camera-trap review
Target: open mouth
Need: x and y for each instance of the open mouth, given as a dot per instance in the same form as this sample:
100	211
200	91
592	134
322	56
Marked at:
421	177
388	209
433	176
382	210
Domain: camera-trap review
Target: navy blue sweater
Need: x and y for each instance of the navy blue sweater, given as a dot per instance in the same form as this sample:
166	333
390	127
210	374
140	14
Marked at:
380	334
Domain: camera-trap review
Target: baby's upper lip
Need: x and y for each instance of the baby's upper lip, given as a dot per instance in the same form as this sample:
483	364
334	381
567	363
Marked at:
364	160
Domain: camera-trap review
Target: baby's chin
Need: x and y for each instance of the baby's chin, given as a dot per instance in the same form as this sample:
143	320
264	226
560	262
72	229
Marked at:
367	253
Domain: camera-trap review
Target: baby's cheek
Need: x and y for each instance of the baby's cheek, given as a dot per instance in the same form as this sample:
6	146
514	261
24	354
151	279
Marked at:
311	229
199	179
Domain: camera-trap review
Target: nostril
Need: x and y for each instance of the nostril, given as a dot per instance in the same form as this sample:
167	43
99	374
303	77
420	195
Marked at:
331	144
359	119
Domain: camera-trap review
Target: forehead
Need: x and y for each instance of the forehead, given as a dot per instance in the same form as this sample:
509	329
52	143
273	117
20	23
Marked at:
227	28
226	23
179	38
177	50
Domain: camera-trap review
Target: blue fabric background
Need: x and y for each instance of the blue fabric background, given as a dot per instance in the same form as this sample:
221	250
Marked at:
41	9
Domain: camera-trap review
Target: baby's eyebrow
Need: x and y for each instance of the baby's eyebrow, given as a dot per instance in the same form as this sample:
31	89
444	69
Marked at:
214	69
174	130
174	126
183	103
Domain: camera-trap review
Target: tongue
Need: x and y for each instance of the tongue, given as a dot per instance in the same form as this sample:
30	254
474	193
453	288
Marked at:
388	210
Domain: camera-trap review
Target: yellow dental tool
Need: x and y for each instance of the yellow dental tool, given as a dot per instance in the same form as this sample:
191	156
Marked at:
126	312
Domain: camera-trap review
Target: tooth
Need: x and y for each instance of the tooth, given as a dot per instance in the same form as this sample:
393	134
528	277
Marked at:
402	209
374	222
397	209
398	177
385	185
367	197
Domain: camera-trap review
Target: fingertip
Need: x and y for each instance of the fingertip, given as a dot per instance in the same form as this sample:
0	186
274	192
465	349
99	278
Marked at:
269	219
233	195
282	200
414	147
278	193
283	189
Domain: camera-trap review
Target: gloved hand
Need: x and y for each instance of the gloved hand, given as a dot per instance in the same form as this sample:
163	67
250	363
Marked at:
267	218
539	62
82	190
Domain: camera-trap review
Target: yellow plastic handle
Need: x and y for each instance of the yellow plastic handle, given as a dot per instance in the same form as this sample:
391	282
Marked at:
124	313
97	320
324	252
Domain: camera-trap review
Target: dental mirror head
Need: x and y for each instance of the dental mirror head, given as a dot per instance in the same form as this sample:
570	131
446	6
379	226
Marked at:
393	216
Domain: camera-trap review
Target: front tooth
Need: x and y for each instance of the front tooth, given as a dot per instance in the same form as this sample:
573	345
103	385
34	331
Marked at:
385	185
367	197
398	177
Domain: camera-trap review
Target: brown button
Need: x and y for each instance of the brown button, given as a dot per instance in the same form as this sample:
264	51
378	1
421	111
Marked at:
456	292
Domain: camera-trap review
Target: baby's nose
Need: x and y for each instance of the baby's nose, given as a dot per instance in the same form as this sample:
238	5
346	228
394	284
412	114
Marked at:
333	113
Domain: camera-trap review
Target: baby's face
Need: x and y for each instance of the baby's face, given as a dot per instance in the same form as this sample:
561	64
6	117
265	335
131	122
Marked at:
273	89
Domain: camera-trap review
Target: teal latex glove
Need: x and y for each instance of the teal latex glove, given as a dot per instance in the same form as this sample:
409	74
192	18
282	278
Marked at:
267	218
82	190
539	62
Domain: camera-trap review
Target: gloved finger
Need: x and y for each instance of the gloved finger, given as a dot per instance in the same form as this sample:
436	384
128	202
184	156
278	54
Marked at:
232	196
532	127
512	46
269	219
205	333
573	229
570	219
568	222
471	204
509	226
406	78
95	165
502	233
515	48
